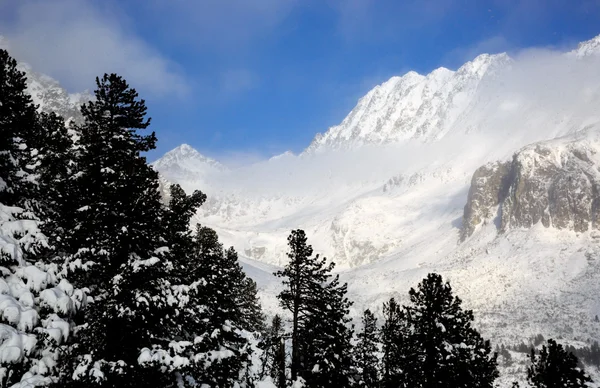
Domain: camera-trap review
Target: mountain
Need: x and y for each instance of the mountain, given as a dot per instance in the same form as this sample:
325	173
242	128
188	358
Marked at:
47	93
184	163
51	97
417	140
555	183
588	48
488	175
411	106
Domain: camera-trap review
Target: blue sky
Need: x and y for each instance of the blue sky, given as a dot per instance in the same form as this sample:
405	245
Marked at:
242	80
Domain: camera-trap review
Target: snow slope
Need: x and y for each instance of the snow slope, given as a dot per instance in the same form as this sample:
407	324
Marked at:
383	194
409	178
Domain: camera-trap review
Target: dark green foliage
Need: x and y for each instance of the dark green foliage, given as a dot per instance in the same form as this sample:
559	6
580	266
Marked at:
589	355
365	352
221	306
328	339
321	349
113	248
431	343
453	353
17	117
273	357
555	367
397	349
54	157
29	147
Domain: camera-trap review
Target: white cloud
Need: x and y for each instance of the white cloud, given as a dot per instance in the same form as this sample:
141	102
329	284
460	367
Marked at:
541	95
75	41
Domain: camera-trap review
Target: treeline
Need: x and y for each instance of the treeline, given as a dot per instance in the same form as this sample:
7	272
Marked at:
104	284
587	355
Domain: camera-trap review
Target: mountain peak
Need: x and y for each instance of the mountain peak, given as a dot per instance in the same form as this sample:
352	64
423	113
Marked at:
185	161
588	48
185	149
412	106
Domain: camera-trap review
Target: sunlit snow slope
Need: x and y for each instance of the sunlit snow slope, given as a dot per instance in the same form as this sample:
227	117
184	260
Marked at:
386	194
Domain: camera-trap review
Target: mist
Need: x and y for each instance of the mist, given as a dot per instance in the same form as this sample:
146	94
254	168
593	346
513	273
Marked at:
540	95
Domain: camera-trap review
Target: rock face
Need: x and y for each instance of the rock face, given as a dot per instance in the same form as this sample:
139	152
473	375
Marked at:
51	97
488	189
556	183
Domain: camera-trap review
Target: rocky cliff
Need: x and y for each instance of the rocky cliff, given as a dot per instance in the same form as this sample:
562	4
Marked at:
556	183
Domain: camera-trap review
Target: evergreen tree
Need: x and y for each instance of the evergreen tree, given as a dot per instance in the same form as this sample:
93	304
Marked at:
450	351
365	352
115	248
398	351
273	357
555	367
39	302
52	154
328	339
17	117
321	346
216	315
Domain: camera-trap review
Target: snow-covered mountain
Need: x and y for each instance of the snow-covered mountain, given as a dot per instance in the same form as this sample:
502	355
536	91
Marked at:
411	106
488	175
51	97
410	136
48	94
184	163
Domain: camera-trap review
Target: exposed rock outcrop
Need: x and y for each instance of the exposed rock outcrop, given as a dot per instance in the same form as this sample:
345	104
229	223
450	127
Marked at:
556	183
488	189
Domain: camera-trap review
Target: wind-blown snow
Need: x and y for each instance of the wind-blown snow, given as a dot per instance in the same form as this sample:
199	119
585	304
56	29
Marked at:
400	164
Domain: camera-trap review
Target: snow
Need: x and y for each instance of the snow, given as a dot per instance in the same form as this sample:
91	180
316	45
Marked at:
34	300
382	194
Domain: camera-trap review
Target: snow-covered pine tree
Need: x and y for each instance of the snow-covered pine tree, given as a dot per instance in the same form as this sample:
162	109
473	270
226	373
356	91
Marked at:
365	352
321	348
273	356
36	302
555	367
116	248
17	118
216	311
450	352
397	350
329	339
53	157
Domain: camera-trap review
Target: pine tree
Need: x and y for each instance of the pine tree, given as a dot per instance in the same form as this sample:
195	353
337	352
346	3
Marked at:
115	248
273	357
328	339
365	352
52	154
321	347
216	315
398	351
43	299
555	367
450	351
